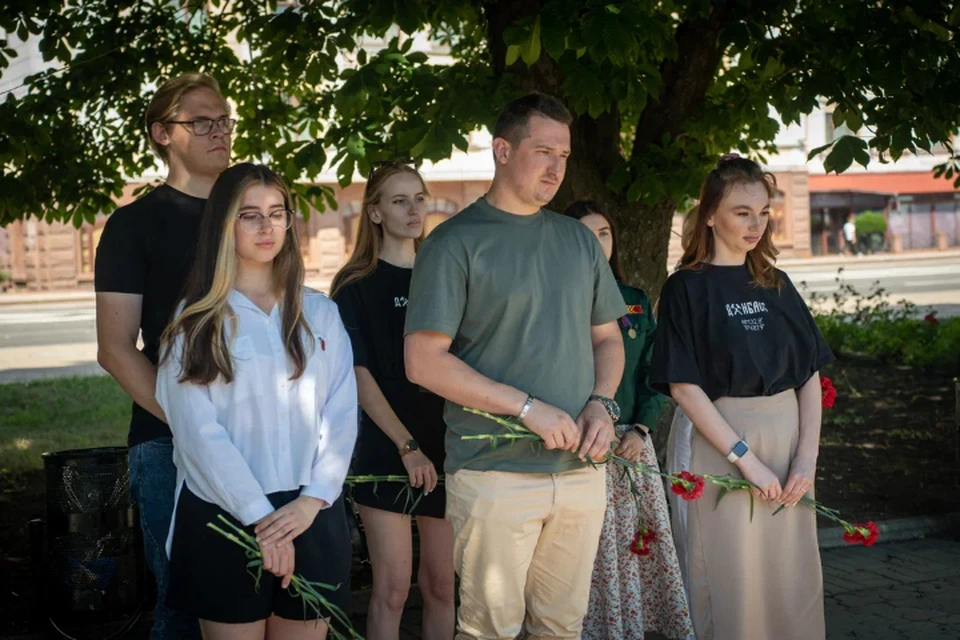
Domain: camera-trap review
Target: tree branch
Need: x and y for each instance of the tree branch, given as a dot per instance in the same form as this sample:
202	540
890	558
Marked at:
685	80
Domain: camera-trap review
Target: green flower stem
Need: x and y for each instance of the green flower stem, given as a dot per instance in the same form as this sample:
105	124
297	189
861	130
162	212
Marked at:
306	590
726	482
502	436
355	480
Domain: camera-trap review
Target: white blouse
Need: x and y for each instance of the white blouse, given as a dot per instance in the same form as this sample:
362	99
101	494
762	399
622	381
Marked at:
263	433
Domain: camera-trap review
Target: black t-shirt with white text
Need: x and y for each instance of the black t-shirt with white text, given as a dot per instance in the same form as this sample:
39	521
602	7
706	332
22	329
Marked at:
373	310
719	330
147	248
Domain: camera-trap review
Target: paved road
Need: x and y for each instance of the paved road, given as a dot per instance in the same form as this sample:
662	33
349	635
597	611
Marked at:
44	339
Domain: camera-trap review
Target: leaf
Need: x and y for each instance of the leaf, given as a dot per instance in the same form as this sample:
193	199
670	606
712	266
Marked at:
818	151
750	493
513	54
417	57
779	509
845	149
723	491
408	15
530	51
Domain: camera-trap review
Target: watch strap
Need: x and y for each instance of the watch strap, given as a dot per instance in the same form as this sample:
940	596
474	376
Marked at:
526	407
739	450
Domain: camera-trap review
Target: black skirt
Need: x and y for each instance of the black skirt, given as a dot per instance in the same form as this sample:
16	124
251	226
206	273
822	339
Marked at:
376	454
208	573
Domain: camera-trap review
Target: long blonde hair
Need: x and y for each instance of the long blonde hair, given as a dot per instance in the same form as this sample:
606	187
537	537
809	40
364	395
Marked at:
363	261
701	246
206	354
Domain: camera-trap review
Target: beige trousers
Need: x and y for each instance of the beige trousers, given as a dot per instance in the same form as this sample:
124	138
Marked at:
524	549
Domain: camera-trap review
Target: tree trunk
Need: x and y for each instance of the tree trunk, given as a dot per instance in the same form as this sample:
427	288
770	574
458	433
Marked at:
643	230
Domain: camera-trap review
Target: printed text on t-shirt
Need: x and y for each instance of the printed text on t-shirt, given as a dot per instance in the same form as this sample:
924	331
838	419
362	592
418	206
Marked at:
748	309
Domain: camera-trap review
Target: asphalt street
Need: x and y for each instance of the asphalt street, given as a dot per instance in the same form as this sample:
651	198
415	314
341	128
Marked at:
49	339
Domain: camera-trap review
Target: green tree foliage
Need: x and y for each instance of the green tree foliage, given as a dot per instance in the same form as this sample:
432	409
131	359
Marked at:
660	88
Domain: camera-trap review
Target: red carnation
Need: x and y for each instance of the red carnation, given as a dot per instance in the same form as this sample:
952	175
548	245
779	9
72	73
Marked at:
931	318
641	542
829	392
865	534
686	485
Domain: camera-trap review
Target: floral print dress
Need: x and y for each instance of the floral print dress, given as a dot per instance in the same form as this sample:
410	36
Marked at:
636	586
633	594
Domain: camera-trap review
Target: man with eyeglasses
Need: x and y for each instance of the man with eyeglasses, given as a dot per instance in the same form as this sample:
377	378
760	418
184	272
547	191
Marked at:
142	263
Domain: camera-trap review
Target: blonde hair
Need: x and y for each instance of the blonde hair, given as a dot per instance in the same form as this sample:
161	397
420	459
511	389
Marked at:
166	103
206	354
363	261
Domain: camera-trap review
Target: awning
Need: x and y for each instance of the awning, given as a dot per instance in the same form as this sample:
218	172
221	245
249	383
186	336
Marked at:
882	183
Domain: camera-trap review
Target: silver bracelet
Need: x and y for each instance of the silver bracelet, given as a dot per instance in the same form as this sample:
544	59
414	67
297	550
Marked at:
526	407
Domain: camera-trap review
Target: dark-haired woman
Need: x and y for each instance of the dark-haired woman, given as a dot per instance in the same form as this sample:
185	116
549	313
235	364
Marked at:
630	593
738	350
401	425
257	383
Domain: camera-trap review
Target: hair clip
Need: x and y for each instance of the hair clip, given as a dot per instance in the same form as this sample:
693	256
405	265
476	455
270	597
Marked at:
729	156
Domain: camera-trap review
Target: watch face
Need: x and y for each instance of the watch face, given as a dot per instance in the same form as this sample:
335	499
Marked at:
740	449
412	445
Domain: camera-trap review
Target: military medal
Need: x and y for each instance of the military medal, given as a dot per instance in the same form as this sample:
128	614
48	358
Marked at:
625	320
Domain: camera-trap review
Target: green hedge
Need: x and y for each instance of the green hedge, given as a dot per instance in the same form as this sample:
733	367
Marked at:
870	325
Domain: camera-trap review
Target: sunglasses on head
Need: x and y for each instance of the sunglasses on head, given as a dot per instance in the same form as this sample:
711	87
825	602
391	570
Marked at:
382	164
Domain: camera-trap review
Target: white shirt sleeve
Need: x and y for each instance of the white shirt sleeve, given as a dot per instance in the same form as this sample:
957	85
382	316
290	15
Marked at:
211	460
338	418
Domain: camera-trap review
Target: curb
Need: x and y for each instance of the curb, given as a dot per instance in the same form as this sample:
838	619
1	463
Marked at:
63	297
46	297
806	264
897	530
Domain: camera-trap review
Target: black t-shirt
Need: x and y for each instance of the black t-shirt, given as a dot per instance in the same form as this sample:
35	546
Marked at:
718	330
374	310
147	248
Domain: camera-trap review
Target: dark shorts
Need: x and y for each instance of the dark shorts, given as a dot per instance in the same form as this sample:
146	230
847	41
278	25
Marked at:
208	573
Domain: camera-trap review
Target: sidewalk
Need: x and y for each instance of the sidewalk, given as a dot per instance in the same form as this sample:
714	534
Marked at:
43	297
830	262
900	590
823	262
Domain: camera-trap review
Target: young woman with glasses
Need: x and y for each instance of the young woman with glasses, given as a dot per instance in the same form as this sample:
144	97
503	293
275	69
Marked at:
257	383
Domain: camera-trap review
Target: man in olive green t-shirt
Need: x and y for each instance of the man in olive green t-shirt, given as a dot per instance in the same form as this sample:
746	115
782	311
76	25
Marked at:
513	311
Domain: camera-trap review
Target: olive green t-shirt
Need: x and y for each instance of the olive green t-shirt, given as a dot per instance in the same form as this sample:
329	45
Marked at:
517	295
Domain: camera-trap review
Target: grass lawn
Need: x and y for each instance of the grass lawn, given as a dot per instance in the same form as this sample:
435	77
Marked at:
53	415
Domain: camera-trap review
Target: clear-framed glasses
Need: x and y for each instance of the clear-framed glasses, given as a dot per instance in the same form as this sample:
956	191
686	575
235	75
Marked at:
254	221
203	126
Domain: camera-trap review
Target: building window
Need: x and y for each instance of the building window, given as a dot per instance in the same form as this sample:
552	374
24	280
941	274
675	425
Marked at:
779	224
831	132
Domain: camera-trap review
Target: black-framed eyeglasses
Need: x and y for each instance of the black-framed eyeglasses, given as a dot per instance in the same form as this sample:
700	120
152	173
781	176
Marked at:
203	126
254	221
380	164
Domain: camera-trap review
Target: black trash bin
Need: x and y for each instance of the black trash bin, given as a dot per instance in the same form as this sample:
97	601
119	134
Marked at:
94	555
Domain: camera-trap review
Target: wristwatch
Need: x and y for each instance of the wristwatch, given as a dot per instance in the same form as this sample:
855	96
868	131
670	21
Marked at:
739	450
613	409
409	447
623	429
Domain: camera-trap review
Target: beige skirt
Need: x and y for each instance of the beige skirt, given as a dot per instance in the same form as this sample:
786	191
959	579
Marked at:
746	580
